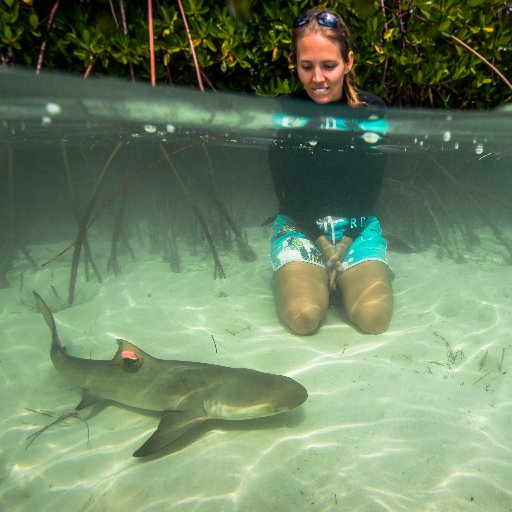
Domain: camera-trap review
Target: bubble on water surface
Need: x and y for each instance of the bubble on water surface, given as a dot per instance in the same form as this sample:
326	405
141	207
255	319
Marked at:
371	137
53	108
150	128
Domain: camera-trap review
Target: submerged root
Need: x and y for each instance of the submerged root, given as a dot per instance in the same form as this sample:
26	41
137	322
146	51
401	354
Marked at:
58	419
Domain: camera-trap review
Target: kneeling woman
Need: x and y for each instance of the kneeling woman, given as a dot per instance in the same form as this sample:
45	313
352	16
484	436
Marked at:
326	236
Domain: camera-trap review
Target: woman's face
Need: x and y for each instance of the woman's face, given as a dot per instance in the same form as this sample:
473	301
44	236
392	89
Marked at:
321	68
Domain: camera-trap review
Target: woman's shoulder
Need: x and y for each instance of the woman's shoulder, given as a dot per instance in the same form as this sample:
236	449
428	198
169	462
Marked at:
368	98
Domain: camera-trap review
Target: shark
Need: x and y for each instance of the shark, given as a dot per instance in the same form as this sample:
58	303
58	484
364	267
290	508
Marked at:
186	393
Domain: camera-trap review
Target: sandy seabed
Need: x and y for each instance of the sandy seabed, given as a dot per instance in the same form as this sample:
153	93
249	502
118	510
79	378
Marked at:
416	419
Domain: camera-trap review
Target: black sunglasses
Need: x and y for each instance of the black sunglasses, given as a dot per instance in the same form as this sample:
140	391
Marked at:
324	18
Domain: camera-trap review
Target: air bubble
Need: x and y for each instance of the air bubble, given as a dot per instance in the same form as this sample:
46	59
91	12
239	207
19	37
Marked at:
170	128
371	137
150	128
447	136
479	149
52	108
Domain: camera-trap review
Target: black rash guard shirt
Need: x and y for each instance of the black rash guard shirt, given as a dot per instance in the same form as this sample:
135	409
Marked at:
315	181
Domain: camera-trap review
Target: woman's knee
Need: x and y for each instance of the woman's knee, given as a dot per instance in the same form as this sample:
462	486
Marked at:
302	296
303	318
368	296
372	318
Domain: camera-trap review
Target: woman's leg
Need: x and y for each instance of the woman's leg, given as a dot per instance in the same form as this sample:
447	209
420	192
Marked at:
367	296
302	295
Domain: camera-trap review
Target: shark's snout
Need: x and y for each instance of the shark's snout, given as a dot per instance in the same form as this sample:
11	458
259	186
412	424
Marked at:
293	395
269	395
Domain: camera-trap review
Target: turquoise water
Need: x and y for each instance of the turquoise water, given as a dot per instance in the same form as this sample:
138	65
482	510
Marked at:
415	419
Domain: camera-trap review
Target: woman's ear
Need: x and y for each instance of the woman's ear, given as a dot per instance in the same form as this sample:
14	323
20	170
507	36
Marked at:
350	62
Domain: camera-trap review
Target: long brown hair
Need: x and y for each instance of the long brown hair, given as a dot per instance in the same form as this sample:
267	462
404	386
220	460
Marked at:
339	34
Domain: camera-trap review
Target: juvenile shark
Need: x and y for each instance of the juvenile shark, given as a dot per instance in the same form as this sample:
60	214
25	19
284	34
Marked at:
186	393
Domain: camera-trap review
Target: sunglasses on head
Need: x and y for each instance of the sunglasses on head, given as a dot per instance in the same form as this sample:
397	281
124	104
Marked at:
324	18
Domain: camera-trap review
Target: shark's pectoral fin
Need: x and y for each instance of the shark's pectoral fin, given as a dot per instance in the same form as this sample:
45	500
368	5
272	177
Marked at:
87	400
172	426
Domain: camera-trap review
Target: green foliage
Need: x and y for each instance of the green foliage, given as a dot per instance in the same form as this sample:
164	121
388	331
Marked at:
409	56
405	51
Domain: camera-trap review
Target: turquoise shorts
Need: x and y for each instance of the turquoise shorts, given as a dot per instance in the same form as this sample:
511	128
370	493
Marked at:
288	243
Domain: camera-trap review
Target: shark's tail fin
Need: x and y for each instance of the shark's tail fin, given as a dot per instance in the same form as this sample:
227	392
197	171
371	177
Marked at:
48	316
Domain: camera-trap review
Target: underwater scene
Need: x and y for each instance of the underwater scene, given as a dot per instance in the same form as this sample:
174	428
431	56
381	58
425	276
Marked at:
144	365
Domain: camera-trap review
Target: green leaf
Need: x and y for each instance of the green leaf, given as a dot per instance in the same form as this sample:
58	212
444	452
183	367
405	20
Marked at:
210	45
33	19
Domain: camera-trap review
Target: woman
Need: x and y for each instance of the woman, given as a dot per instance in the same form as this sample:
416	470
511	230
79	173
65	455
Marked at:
325	236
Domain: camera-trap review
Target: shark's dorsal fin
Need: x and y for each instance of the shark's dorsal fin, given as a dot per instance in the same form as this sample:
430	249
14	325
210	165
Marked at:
171	427
126	346
130	357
